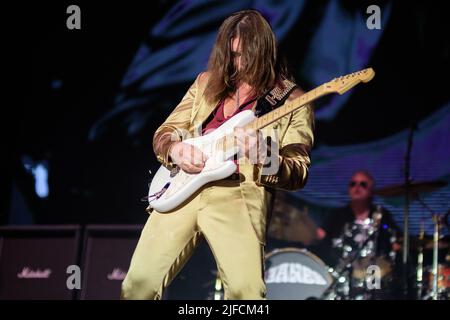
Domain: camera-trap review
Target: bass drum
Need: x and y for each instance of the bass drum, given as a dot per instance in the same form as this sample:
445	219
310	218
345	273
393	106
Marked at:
295	274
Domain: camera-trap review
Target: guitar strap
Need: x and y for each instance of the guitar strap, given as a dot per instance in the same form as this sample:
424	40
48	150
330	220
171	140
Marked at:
274	98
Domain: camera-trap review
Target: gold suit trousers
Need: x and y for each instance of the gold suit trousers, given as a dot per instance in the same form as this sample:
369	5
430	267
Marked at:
219	214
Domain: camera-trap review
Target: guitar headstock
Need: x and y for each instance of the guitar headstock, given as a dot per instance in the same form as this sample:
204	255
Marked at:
345	83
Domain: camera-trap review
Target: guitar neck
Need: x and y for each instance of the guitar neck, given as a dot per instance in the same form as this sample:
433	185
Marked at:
286	109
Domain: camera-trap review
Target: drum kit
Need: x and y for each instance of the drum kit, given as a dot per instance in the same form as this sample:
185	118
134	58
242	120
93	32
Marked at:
363	272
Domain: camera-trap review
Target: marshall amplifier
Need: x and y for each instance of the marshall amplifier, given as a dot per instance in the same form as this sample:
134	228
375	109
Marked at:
106	257
35	262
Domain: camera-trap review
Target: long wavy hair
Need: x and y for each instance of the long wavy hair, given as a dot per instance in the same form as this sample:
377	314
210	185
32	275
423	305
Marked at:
261	68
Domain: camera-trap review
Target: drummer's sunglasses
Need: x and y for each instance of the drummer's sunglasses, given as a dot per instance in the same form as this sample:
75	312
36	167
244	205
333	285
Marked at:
363	184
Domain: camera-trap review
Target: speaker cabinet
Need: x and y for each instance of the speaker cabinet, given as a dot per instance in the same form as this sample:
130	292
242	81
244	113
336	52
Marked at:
106	257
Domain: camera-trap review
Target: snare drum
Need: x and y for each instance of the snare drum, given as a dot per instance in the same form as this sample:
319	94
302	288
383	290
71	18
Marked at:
295	274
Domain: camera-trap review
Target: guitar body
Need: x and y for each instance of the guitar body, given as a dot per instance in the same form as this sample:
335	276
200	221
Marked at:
175	187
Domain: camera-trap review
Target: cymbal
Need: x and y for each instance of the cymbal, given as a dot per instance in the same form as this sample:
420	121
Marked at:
361	265
414	188
429	245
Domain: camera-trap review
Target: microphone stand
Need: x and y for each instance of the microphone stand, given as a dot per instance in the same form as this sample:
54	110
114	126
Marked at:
405	257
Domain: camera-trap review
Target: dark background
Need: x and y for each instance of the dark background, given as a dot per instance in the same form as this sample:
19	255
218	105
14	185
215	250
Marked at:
66	80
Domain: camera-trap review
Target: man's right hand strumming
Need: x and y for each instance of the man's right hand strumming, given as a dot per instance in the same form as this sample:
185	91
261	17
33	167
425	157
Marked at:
189	158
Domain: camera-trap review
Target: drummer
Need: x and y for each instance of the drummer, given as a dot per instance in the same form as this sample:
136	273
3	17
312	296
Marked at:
359	208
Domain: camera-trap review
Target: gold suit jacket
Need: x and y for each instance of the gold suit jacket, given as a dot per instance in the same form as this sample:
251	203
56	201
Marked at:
294	138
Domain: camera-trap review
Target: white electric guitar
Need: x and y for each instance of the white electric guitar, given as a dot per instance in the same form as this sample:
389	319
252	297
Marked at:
169	189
